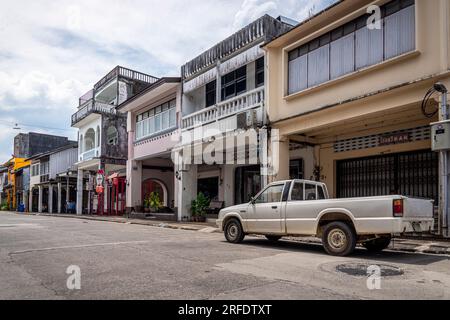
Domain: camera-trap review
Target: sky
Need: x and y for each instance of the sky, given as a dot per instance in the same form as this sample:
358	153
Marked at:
52	52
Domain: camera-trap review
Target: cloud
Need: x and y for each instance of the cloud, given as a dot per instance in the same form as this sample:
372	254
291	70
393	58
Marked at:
51	52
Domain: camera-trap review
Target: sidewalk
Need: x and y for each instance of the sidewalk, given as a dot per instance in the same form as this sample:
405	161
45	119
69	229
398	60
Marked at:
191	226
398	244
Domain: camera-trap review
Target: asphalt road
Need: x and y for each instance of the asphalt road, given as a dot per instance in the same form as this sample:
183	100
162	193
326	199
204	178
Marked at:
123	261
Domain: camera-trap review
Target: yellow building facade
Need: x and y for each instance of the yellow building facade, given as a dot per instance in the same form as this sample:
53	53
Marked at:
13	165
345	92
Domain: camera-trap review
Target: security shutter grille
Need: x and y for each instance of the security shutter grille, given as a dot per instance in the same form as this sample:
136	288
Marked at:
412	174
416	134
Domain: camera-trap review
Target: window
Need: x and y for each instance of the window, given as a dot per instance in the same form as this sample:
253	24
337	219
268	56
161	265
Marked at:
353	46
211	93
44	168
112	136
297	192
310	192
35	170
271	194
89	140
156	120
296	169
259	72
234	83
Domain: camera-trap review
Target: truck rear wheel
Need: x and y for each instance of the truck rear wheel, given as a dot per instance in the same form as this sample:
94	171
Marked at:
338	239
377	245
233	231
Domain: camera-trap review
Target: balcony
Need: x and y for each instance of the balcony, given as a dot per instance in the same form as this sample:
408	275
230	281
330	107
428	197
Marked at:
92	107
89	155
223	116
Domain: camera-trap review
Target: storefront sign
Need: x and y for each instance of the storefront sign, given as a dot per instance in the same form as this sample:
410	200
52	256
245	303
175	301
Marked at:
397	138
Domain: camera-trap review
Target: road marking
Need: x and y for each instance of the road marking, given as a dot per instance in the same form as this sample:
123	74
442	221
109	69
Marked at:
81	246
20	225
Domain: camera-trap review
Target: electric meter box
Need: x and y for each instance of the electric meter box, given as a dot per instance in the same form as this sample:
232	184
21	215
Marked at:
440	136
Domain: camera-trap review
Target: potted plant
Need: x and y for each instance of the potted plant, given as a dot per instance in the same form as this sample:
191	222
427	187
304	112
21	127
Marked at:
147	205
154	202
199	207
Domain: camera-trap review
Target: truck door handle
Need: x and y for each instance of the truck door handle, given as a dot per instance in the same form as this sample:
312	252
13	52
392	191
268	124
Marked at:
274	207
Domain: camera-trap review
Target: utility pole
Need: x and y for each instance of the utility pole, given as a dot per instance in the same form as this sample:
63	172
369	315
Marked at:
441	143
445	156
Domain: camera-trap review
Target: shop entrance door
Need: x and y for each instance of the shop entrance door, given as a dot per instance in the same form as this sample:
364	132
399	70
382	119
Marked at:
414	174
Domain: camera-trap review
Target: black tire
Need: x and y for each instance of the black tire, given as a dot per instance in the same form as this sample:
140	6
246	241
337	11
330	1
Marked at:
233	231
377	245
273	238
338	239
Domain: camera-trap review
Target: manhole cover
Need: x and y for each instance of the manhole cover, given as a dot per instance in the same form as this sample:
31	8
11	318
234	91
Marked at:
361	269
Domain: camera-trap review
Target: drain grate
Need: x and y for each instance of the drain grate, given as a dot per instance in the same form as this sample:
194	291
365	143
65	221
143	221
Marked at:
360	269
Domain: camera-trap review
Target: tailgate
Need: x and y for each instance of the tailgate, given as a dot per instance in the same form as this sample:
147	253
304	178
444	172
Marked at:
418	208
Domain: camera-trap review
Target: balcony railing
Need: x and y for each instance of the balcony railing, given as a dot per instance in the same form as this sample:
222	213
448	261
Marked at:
127	73
90	107
90	154
246	101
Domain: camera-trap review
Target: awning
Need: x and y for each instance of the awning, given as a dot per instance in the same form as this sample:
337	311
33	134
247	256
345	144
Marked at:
114	175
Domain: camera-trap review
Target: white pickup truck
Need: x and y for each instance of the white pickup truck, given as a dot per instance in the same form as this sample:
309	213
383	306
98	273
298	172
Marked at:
303	208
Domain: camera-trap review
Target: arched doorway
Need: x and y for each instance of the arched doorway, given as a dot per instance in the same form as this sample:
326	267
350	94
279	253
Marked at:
154	185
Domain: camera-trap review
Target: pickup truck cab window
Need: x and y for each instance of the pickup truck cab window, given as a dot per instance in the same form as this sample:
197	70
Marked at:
271	194
320	193
310	192
298	190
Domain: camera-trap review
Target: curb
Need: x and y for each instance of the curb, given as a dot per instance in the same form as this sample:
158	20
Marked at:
158	224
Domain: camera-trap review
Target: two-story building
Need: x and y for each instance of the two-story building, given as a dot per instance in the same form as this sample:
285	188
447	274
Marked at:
52	182
102	137
153	131
13	192
345	91
223	95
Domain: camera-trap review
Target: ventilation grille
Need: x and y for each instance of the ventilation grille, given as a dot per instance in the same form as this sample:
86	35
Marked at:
373	141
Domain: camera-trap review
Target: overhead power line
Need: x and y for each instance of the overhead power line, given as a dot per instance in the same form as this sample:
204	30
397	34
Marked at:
16	124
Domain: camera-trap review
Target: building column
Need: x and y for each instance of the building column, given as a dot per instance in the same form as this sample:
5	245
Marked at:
50	199
187	190
59	196
278	157
227	184
80	178
25	200
41	191
67	193
134	182
30	201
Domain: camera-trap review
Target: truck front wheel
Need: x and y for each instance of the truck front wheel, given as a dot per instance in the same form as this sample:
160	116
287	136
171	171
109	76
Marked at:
377	245
338	239
233	231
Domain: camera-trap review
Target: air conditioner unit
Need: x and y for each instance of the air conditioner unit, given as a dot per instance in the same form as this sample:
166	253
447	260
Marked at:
248	119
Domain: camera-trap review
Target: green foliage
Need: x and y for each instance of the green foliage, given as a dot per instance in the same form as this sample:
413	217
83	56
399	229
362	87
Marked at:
154	201
199	205
4	207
